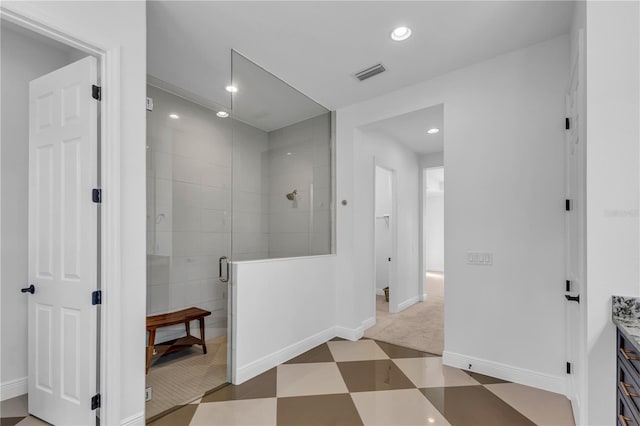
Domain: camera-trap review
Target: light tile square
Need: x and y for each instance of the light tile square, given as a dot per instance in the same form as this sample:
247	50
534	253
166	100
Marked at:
252	412
542	407
362	350
429	372
309	379
396	407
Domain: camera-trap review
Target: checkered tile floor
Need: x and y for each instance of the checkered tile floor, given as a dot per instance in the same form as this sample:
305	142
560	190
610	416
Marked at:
372	383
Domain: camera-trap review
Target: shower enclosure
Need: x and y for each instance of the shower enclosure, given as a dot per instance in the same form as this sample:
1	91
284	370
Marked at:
226	184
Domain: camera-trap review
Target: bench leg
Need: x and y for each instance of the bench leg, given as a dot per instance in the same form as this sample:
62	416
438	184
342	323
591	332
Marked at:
188	328
204	346
152	341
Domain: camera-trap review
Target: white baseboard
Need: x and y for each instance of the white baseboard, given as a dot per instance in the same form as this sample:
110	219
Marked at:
12	388
354	334
135	420
379	292
423	297
404	305
522	376
259	366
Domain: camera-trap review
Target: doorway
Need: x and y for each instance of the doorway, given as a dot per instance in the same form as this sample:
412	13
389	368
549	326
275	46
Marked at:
385	239
50	226
401	148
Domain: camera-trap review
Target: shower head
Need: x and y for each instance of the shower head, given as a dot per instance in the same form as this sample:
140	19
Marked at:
292	195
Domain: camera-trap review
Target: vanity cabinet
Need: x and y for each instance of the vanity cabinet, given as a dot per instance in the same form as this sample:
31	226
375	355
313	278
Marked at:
628	382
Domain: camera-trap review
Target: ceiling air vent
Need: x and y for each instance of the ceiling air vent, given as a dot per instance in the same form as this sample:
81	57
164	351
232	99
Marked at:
370	72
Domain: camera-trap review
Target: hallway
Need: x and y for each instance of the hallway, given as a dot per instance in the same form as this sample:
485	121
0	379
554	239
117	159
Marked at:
420	326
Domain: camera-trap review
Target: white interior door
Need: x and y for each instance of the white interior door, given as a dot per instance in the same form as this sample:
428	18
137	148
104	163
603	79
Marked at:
575	227
63	244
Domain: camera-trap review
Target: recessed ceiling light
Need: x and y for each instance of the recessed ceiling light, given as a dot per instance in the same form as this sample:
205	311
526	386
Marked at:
222	114
174	116
400	33
231	88
433	131
288	153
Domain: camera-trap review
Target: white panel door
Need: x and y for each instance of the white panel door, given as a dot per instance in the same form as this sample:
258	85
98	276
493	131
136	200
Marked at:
63	226
575	166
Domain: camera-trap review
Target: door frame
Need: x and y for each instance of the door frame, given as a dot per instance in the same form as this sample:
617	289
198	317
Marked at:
109	227
393	227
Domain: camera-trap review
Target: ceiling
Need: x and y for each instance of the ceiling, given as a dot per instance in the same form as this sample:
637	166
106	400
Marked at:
411	129
317	46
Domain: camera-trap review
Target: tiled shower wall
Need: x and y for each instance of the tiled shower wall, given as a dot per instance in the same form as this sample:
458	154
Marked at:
189	200
299	159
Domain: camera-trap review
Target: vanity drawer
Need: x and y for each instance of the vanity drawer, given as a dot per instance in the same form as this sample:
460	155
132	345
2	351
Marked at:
625	416
627	383
628	353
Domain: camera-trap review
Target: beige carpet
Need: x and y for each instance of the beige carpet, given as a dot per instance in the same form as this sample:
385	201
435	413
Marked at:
420	326
181	377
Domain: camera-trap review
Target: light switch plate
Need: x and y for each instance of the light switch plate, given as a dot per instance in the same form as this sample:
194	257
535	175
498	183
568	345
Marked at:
479	258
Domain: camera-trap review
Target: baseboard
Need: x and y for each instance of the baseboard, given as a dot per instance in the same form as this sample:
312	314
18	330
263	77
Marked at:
379	292
135	420
354	334
259	366
423	297
404	305
506	372
12	388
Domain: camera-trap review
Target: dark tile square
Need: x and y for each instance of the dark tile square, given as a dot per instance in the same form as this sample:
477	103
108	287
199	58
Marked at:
474	406
485	380
262	386
395	351
318	410
10	421
364	376
320	353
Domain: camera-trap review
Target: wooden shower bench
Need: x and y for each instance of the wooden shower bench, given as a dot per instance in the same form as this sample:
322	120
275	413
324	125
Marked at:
185	317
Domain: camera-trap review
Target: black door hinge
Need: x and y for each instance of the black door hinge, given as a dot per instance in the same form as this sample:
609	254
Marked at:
568	205
567	123
95	401
389	259
96	195
568	368
96	297
96	92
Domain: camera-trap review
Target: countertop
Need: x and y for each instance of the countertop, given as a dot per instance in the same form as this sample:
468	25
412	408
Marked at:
626	315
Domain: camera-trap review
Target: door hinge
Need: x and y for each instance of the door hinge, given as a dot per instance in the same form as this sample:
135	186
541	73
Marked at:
567	123
96	92
96	195
95	401
96	297
568	205
568	368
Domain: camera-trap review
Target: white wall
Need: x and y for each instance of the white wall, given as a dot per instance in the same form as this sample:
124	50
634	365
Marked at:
24	58
281	308
434	231
613	188
384	205
504	174
78	19
373	149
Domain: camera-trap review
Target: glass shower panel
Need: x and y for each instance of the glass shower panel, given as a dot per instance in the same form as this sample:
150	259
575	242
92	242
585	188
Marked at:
282	185
189	153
